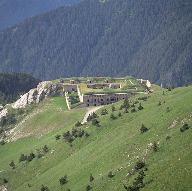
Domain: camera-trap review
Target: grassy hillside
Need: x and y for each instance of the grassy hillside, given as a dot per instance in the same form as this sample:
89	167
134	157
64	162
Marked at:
116	145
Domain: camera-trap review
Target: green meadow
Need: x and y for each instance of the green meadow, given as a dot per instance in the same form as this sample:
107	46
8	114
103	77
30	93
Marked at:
115	145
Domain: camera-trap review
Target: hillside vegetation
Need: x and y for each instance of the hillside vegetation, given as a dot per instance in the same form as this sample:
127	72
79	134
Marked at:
147	146
14	85
14	11
143	38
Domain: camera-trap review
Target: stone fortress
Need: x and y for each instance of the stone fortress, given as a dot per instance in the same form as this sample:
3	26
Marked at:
87	92
97	98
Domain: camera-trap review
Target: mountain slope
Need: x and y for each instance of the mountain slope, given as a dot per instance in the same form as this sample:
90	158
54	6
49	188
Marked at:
148	39
14	11
115	146
14	85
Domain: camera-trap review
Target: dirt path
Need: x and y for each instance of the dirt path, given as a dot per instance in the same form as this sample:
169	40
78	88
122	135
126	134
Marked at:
131	82
90	111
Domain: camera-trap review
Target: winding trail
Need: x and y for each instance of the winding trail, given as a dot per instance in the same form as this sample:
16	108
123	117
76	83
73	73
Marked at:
90	111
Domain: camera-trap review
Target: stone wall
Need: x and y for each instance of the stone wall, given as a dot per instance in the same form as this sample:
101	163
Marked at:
103	99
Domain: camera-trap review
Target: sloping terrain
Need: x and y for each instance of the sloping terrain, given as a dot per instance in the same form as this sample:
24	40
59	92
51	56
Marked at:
14	11
143	38
14	85
106	158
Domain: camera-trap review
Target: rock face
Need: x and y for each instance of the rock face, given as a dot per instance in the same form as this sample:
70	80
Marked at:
43	90
3	113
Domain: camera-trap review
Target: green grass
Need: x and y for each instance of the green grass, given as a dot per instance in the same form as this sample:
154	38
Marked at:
113	146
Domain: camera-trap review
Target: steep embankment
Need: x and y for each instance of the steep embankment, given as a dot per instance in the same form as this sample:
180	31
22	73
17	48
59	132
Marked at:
143	38
116	145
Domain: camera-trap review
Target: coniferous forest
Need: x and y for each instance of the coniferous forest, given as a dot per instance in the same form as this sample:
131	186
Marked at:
144	38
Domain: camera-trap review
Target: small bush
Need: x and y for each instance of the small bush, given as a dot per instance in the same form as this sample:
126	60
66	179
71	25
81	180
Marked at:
44	188
168	109
2	142
143	129
12	165
113	108
78	124
58	137
22	158
104	112
140	107
184	127
155	147
168	138
133	110
126	110
45	149
5	181
112	116
88	188
95	122
110	174
119	114
139	165
30	157
91	178
63	180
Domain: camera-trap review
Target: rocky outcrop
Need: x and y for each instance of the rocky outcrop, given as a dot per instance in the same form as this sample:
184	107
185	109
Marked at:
43	90
3	113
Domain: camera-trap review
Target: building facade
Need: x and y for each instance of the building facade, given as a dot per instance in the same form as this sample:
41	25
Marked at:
103	99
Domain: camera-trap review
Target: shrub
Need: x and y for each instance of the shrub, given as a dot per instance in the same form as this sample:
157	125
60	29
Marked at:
2	142
159	104
44	188
78	124
155	147
91	178
119	114
95	122
126	110
5	181
39	154
110	174
143	129
30	157
12	165
112	116
57	137
22	158
113	108
184	127
168	138
140	107
168	109
126	104
45	149
63	180
88	188
87	134
92	116
133	110
68	137
104	112
139	165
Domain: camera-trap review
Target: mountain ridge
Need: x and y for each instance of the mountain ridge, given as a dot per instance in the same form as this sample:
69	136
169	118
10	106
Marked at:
144	39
